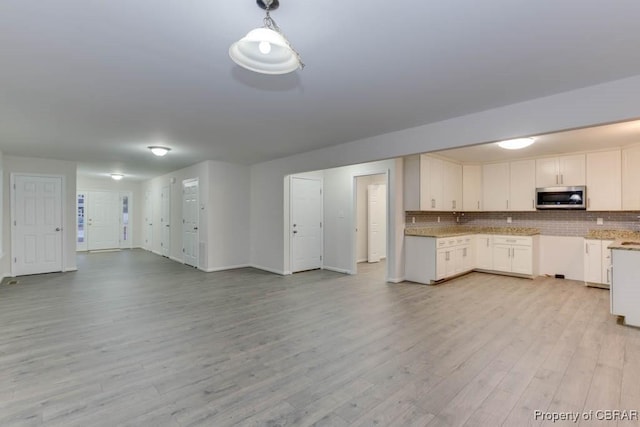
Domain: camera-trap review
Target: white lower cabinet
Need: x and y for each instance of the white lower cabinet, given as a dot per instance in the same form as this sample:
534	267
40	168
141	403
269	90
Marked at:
430	259
513	254
597	262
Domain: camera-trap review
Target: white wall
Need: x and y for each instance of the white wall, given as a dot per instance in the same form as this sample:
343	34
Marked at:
362	209
562	255
35	166
224	214
605	103
340	212
85	183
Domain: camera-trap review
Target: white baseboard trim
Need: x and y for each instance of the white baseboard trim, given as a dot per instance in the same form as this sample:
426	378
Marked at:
172	258
270	270
362	260
70	269
230	267
157	253
337	270
395	279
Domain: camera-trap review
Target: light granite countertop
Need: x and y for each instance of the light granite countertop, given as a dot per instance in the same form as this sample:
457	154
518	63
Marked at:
462	230
623	239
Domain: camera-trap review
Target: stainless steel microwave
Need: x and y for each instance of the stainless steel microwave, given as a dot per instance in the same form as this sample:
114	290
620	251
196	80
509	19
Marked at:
561	197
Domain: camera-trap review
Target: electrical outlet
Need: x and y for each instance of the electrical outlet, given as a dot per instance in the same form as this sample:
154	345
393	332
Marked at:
413	220
599	221
509	220
438	219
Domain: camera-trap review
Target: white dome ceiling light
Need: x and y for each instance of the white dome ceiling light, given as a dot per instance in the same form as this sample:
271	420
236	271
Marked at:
117	176
266	50
516	144
159	150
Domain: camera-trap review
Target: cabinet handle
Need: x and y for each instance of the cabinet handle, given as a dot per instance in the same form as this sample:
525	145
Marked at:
533	204
507	204
478	204
561	178
487	242
586	249
608	276
446	258
557	179
588	202
433	203
453	203
464	252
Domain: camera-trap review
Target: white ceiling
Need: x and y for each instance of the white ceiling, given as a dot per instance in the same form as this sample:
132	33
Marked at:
587	139
97	82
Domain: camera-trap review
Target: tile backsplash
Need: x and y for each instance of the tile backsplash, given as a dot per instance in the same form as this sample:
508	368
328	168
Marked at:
550	222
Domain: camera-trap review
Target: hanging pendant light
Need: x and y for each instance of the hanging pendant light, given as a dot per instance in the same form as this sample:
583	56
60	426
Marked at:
266	50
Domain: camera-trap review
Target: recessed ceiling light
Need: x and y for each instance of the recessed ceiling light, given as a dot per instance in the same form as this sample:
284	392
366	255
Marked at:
117	176
516	144
159	150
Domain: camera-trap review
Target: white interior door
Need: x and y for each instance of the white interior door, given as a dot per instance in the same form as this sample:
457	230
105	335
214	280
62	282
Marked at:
306	224
148	221
376	222
190	222
103	220
37	225
165	220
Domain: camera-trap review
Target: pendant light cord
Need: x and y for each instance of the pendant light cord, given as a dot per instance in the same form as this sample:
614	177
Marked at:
272	25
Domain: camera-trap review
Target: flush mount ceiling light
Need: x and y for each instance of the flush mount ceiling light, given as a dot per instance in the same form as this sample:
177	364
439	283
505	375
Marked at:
266	50
516	144
117	176
158	150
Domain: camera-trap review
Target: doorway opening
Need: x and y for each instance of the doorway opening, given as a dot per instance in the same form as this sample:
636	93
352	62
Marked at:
371	207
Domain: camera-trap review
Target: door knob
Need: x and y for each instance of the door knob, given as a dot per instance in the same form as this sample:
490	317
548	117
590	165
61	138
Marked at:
195	228
295	231
57	228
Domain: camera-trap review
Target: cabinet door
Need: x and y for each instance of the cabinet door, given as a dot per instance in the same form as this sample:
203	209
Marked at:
467	258
495	186
442	261
604	181
592	261
572	170
547	172
606	262
502	257
430	183
451	186
471	188
522	187
484	252
521	260
630	178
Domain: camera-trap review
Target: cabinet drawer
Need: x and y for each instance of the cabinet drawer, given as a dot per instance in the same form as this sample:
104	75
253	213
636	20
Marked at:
512	240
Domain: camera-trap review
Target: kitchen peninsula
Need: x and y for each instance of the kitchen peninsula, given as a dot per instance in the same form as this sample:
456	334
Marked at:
435	254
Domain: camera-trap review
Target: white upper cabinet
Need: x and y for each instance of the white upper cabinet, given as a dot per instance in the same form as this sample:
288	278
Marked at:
430	184
604	181
451	186
561	171
471	188
440	184
495	186
522	192
411	170
630	179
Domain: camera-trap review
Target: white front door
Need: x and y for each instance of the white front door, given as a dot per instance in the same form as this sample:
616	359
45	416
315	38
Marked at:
190	222
148	221
103	222
376	222
37	224
165	220
306	224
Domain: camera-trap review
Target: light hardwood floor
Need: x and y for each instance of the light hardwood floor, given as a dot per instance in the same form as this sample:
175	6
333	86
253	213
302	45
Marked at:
136	339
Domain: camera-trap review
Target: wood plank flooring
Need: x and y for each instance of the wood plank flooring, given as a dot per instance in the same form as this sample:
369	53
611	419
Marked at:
133	339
